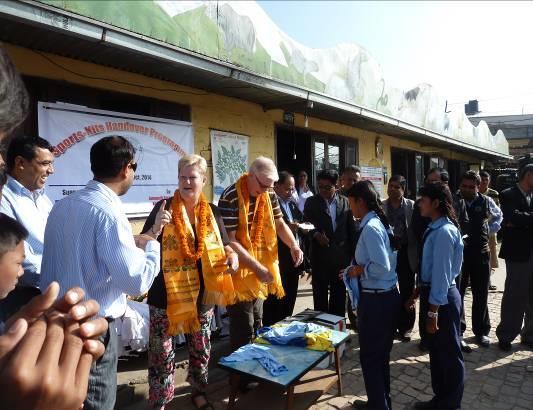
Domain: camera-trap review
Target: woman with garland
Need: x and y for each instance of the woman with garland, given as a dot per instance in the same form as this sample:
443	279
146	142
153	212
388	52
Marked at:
195	264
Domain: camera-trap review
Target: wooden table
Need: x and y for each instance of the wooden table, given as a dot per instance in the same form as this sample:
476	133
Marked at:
298	360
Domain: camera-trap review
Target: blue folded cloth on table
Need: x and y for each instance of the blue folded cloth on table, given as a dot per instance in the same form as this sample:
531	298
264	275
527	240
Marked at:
259	353
293	333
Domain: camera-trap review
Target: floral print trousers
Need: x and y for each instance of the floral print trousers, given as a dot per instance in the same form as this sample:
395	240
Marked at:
161	356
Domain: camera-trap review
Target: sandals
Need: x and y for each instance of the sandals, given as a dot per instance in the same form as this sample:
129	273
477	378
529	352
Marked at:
206	406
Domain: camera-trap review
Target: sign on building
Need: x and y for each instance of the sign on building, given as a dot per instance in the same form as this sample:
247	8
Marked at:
229	153
159	144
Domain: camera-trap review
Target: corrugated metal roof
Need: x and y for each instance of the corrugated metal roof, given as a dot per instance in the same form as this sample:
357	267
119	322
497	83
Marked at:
39	27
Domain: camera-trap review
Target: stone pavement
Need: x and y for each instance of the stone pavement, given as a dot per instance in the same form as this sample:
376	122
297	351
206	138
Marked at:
495	379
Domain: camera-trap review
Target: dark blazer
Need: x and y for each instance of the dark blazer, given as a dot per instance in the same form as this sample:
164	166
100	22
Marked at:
517	226
342	241
284	253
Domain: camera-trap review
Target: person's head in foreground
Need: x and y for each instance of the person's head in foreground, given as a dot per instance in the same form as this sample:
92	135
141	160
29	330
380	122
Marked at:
14	99
261	176
436	201
12	236
113	163
363	199
192	170
30	160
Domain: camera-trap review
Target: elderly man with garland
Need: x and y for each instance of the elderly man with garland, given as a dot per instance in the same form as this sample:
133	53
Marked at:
253	220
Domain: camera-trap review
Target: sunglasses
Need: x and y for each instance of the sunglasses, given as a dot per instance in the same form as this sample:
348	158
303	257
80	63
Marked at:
133	166
263	186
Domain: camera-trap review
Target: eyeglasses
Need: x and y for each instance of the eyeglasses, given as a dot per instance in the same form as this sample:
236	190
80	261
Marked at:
263	186
133	166
325	187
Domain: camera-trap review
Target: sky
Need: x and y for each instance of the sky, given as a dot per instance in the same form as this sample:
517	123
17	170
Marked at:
466	50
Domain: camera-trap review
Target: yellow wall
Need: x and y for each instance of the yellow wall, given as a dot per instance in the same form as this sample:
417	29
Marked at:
211	110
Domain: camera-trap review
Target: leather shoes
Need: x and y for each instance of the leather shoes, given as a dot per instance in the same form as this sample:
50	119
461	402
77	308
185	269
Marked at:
361	405
424	405
423	346
483	341
526	343
465	348
505	346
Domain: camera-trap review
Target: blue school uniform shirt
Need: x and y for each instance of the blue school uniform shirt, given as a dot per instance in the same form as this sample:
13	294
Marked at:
374	251
442	257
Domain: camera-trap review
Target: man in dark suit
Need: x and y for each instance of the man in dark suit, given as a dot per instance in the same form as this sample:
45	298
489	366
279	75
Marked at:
517	250
275	309
332	247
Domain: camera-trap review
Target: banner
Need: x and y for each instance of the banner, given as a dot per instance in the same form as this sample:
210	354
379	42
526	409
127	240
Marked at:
375	175
229	153
159	144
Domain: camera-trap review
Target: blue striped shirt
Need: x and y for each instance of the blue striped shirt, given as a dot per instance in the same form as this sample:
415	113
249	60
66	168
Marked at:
89	243
31	209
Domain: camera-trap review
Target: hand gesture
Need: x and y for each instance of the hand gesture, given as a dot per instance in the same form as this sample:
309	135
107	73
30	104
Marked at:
141	240
432	325
233	262
265	275
162	218
297	255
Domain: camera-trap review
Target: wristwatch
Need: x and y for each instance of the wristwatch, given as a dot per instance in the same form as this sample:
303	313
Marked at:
433	315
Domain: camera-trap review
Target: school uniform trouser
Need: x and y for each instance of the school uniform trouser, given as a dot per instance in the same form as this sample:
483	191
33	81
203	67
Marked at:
275	309
244	319
102	389
377	321
517	302
476	272
406	283
445	356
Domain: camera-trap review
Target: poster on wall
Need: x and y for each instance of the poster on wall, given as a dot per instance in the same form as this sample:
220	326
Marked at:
374	174
229	153
159	144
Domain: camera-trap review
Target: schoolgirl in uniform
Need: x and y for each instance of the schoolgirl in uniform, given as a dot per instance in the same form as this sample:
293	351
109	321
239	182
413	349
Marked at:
440	301
379	297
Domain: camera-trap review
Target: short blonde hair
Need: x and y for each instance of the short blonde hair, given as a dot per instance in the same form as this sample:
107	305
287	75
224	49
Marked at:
193	160
266	167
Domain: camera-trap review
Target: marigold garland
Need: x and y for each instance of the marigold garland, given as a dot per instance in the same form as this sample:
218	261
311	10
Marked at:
201	227
259	215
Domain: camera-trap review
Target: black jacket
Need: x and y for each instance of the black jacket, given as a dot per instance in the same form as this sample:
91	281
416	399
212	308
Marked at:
517	226
342	241
286	264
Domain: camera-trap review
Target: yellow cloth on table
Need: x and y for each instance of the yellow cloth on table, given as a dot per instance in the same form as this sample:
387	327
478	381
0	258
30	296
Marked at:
182	279
247	286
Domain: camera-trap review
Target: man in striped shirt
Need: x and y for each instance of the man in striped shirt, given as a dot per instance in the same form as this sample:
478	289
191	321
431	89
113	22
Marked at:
89	243
247	316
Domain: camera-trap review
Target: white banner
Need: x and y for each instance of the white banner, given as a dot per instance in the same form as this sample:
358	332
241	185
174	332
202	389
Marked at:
159	144
375	175
229	153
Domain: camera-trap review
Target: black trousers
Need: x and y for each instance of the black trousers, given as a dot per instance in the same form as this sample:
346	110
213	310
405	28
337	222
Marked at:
445	356
377	316
406	282
329	292
275	309
476	272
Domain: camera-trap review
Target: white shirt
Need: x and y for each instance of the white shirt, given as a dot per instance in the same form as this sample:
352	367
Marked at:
89	243
31	209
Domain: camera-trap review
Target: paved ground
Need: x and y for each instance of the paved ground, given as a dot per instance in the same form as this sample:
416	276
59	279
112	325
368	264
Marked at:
495	379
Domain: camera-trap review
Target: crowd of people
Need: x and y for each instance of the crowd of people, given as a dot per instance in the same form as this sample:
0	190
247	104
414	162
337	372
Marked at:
67	268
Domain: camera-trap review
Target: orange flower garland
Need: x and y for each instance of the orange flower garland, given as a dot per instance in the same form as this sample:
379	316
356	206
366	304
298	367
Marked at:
201	228
259	216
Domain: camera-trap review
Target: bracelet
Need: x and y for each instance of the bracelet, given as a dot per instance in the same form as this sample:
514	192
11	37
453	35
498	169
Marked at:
433	315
